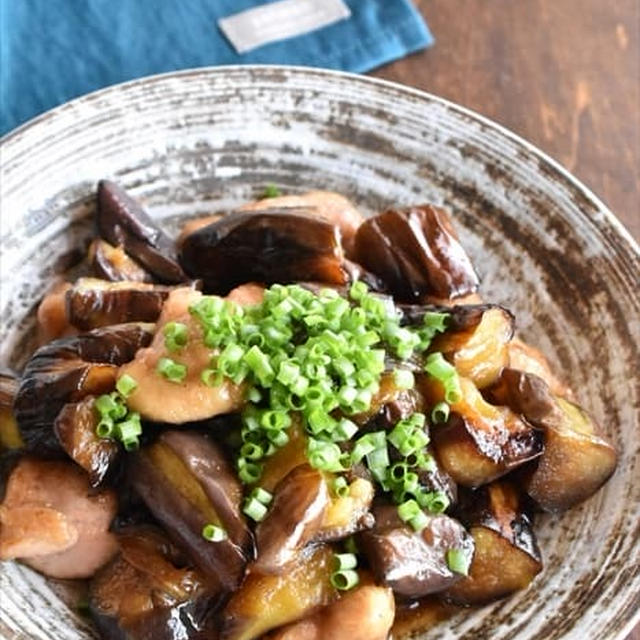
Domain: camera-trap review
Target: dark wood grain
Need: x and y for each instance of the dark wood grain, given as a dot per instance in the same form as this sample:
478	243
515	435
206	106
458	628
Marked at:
564	74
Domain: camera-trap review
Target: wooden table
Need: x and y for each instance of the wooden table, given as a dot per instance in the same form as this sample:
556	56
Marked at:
564	74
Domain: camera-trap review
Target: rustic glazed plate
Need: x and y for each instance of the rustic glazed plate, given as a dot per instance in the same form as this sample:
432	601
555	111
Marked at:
204	140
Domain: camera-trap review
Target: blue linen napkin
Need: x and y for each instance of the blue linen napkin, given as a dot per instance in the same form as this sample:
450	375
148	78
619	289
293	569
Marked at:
55	50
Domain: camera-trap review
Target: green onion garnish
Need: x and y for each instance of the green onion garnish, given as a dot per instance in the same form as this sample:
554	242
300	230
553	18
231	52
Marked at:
458	561
254	509
403	379
271	191
438	367
126	385
262	495
340	487
411	513
175	336
214	533
345	580
440	413
172	371
345	561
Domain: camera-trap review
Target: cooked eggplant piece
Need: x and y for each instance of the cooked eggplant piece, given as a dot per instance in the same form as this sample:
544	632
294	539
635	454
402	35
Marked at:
273	246
300	502
93	303
190	400
264	602
53	321
576	461
524	357
113	264
413	563
187	484
364	613
577	458
52	522
525	393
124	223
10	437
287	458
416	252
326	205
506	554
75	428
67	370
356	271
418	616
479	353
480	442
149	592
348	514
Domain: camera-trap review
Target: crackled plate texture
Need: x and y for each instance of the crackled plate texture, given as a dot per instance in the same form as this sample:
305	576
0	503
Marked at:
205	140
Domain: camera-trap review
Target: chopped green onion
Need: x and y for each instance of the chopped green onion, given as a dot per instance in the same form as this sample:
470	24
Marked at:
214	533
255	509
345	430
436	321
262	495
248	472
433	501
172	371
403	379
407	510
419	521
452	390
105	428
440	413
345	580
350	545
458	561
340	487
126	385
271	191
439	368
343	561
175	336
324	456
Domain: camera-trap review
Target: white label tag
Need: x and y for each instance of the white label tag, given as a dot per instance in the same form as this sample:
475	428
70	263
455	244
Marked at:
278	20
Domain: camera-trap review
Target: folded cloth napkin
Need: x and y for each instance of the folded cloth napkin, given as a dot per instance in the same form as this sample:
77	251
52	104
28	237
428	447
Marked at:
54	50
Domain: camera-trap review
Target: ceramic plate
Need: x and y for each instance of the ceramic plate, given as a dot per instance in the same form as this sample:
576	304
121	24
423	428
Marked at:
205	140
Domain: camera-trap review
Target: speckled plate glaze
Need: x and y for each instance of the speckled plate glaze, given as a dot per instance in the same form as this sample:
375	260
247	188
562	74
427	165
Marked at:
204	140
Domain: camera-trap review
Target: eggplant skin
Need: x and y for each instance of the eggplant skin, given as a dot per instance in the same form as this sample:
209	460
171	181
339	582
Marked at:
413	563
299	505
67	370
123	222
577	459
416	252
506	556
113	264
92	303
149	592
186	483
75	428
270	246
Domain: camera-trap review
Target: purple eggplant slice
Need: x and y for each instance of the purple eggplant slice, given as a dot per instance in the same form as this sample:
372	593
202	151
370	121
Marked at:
577	459
270	246
75	428
67	370
113	264
92	303
295	517
414	563
506	554
10	437
416	252
123	222
150	591
187	484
